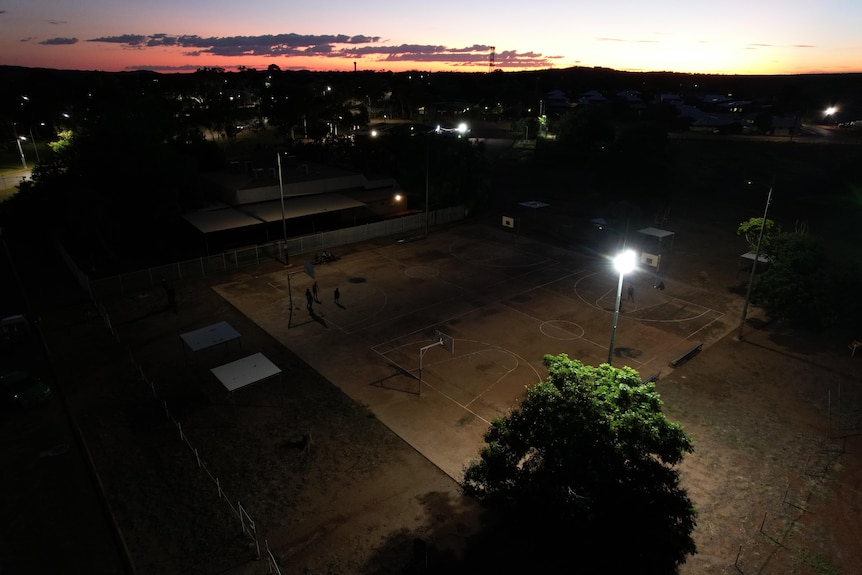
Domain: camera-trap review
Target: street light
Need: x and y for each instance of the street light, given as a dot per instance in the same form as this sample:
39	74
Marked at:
281	193
21	151
427	161
33	141
756	257
460	130
18	141
624	262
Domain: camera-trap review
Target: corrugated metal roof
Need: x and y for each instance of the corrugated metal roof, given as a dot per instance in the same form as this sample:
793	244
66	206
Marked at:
229	217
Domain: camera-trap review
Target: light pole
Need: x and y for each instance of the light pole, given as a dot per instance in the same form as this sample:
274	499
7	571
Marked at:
281	193
756	257
624	262
33	141
21	151
18	141
427	161
460	130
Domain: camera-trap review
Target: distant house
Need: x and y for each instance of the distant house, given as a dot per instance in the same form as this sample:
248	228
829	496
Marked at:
630	97
556	102
592	97
703	121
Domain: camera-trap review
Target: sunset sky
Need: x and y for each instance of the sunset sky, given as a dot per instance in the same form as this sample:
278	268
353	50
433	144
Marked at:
730	37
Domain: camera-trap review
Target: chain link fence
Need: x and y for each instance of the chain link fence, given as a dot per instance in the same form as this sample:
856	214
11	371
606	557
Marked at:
100	288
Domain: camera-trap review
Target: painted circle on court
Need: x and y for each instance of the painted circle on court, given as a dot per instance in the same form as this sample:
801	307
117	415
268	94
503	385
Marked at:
561	329
421	272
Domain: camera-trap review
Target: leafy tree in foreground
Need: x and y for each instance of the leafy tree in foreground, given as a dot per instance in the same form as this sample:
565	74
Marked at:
582	474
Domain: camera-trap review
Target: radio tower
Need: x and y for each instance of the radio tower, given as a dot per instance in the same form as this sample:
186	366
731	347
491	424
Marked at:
491	59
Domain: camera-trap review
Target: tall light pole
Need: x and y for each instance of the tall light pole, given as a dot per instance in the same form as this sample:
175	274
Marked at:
427	161
624	262
281	193
33	141
460	130
21	150
756	257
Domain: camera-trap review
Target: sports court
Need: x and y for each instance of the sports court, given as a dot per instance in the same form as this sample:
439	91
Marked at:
477	308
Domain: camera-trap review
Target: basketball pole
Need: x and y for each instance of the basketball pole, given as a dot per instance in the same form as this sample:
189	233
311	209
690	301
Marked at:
422	352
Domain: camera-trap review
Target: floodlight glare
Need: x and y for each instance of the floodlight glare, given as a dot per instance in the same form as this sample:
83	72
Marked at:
624	262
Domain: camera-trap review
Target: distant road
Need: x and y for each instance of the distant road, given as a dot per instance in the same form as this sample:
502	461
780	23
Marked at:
809	134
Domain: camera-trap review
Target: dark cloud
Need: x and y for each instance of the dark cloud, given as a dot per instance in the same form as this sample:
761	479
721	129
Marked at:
363	39
325	45
57	22
473	48
59	41
320	50
127	39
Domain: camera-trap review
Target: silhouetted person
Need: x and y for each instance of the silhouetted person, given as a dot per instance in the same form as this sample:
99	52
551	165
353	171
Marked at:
309	299
314	291
631	293
337	296
171	294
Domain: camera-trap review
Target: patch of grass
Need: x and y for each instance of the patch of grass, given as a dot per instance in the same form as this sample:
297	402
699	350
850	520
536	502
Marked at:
817	561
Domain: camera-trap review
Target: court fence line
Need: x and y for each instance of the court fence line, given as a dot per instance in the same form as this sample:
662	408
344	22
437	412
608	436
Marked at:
149	278
98	289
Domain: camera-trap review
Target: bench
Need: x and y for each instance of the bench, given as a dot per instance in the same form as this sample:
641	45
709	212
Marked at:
651	378
686	355
326	258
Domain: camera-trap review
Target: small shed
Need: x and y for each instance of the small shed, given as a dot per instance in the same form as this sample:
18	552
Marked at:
660	235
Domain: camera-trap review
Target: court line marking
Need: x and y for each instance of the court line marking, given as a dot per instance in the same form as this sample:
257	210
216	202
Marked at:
519	361
706	310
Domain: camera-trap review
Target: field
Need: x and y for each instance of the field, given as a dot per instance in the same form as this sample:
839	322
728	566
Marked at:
342	463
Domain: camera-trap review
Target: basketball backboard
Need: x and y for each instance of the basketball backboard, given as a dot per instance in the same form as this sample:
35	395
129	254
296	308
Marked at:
446	341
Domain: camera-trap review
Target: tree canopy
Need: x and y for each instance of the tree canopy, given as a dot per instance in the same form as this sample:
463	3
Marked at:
806	287
750	230
584	470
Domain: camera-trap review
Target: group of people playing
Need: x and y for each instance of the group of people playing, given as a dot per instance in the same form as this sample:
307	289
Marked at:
312	296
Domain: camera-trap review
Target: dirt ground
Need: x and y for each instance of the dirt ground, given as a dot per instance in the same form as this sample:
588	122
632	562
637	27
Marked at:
775	475
775	419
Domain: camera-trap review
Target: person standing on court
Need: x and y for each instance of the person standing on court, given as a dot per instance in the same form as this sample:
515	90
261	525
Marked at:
314	291
309	299
337	296
631	292
172	295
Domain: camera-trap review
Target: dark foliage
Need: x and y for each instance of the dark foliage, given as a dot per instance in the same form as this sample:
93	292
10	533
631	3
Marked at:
581	473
